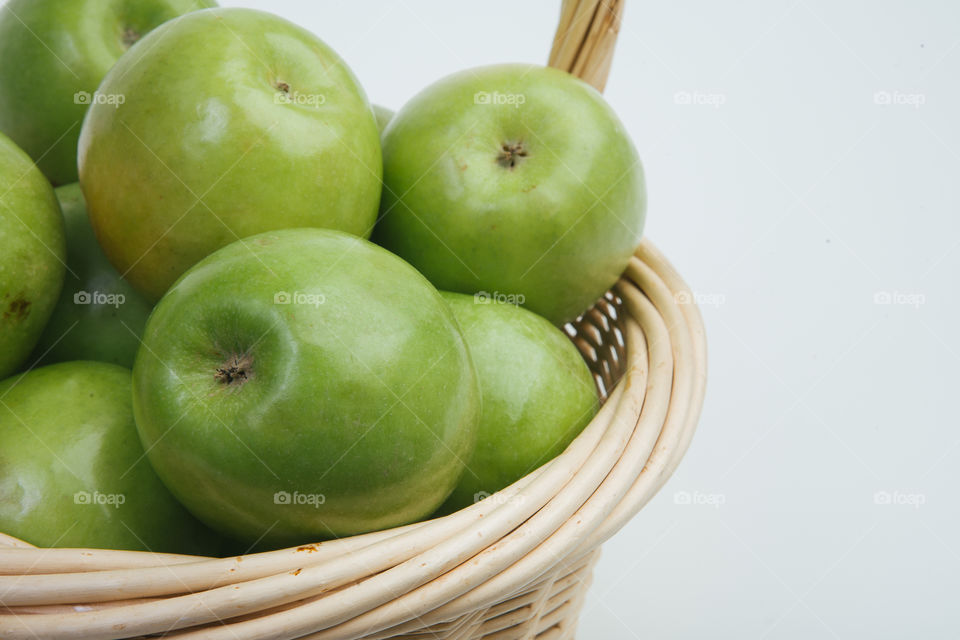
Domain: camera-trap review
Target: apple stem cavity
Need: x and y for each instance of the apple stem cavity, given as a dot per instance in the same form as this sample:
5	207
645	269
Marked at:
130	36
510	154
235	370
283	86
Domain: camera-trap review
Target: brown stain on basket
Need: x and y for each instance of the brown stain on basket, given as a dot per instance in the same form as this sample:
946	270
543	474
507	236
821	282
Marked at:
309	548
296	572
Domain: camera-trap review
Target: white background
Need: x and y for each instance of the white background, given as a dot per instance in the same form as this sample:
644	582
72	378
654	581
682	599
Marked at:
789	196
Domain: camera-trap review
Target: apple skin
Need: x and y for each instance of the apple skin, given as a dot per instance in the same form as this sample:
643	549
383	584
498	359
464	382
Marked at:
364	394
32	254
218	139
383	116
106	329
68	428
558	227
51	50
537	394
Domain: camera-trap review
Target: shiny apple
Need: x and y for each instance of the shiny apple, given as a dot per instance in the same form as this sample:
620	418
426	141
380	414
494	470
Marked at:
232	122
513	179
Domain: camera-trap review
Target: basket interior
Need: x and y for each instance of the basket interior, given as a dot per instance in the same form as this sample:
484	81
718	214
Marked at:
599	336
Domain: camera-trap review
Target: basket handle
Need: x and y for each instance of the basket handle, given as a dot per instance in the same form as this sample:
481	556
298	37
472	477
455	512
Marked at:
586	37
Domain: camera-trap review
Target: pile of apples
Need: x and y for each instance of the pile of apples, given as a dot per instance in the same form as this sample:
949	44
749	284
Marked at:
242	308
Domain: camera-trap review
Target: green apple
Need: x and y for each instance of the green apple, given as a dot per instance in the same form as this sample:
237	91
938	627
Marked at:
32	256
53	54
99	316
537	393
72	469
383	116
513	179
305	383
234	122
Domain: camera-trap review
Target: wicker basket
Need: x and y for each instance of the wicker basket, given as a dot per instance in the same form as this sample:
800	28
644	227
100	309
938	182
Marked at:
516	565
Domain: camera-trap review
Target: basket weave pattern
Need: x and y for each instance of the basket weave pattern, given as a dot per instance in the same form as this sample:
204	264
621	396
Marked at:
513	566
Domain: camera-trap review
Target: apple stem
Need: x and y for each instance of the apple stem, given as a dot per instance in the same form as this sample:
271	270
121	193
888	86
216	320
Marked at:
130	36
235	369
509	155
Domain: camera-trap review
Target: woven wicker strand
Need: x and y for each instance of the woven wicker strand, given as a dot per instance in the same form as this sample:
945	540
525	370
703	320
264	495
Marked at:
586	37
516	565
